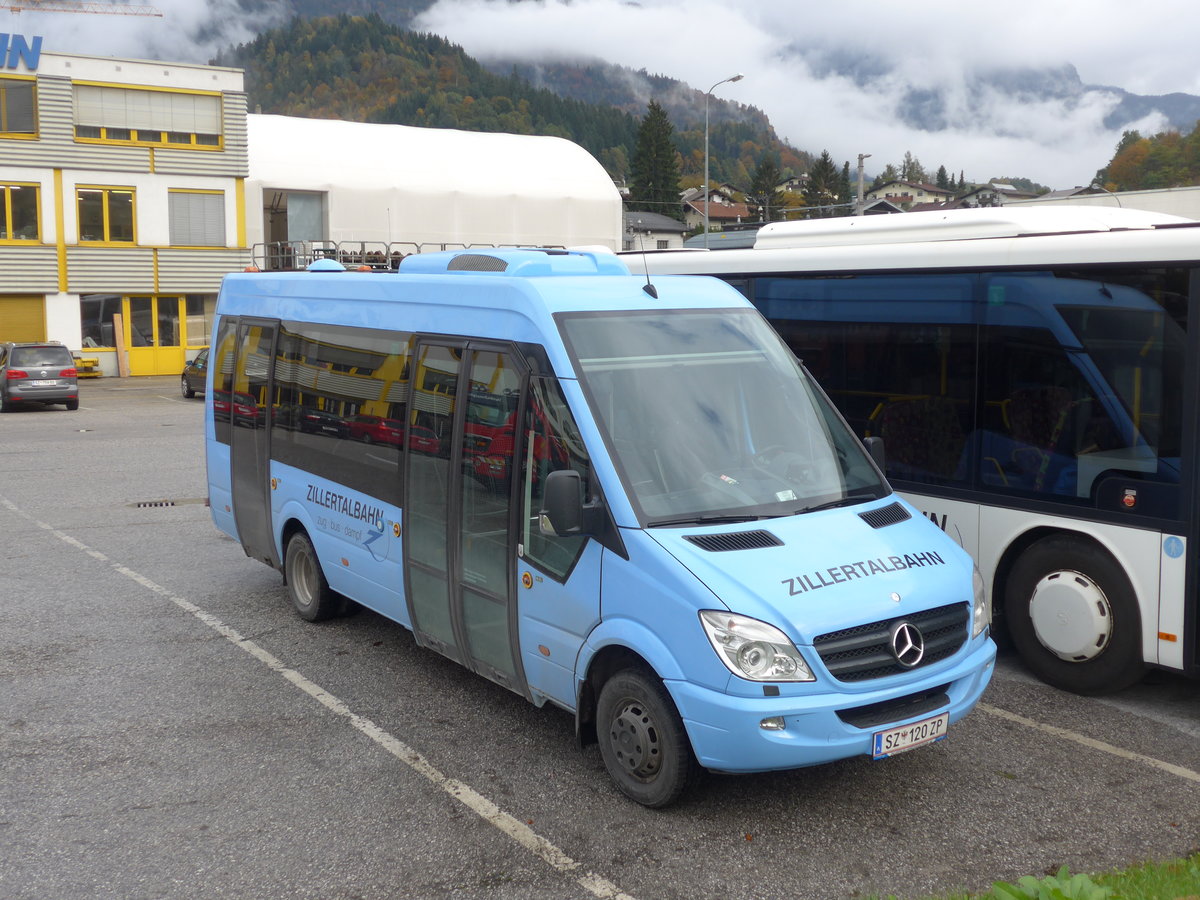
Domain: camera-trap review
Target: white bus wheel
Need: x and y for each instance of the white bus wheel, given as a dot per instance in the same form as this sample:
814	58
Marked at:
1073	617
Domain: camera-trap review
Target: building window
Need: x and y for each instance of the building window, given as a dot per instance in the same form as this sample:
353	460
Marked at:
19	212
142	116
197	218
17	107
199	312
105	215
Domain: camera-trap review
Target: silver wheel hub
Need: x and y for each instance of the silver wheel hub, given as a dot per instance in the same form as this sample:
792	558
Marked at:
1071	616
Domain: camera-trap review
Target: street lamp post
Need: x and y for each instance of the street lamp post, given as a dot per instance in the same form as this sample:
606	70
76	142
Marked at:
707	95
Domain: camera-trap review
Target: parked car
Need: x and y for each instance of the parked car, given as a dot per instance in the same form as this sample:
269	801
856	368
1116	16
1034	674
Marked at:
376	430
37	373
319	421
194	374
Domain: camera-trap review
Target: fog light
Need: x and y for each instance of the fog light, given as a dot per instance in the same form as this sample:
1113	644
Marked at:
772	723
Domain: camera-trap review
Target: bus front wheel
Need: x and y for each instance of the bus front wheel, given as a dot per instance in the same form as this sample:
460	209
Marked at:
1074	618
642	739
310	592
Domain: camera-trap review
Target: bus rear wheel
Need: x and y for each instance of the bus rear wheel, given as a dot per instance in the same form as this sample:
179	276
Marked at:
1073	617
311	594
642	739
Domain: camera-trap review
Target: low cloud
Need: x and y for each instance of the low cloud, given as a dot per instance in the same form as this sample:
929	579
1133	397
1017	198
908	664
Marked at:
852	77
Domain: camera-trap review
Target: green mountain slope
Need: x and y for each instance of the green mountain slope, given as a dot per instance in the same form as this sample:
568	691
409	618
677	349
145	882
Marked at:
364	69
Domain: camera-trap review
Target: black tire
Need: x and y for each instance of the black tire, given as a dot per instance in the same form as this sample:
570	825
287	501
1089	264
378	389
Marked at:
642	739
1073	617
185	388
72	405
311	595
5	405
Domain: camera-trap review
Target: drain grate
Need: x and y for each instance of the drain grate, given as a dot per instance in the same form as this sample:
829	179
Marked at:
157	504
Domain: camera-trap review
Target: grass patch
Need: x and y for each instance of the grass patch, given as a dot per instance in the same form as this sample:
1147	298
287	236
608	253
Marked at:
1175	880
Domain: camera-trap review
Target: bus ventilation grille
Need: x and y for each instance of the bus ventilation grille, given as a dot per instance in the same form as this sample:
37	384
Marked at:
744	540
885	516
476	262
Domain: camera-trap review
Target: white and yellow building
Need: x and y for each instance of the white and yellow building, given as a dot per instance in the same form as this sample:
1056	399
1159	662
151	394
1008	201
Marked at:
121	203
129	188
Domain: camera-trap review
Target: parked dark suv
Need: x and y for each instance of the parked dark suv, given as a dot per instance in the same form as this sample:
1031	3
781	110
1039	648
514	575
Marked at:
37	373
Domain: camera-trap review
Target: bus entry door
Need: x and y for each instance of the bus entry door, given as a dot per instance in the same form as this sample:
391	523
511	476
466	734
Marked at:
459	524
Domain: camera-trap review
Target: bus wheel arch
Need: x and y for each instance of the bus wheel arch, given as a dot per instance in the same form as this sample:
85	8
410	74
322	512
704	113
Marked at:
1071	612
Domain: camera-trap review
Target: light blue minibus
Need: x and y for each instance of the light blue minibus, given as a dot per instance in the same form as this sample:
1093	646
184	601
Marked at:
627	499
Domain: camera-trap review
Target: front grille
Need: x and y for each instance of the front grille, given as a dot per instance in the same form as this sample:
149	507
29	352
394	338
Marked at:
864	652
742	540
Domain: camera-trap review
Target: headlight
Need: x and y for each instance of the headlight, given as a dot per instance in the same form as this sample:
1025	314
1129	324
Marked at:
753	649
981	609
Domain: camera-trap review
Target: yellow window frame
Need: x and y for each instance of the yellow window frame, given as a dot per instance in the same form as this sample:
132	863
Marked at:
6	215
143	137
106	191
18	135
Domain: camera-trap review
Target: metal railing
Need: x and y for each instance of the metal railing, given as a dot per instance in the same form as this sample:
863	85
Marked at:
281	256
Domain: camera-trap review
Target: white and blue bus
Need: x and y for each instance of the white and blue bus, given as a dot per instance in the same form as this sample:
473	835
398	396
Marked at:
628	500
1033	374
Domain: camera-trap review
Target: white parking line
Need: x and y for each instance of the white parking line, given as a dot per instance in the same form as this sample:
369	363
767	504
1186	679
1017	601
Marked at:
1090	742
463	793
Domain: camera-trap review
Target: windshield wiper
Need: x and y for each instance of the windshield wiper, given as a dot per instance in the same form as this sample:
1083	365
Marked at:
849	500
706	520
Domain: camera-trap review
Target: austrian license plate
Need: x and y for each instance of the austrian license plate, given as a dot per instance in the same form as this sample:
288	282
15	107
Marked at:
906	737
43	382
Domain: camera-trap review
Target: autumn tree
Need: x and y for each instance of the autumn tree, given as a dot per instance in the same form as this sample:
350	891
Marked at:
654	183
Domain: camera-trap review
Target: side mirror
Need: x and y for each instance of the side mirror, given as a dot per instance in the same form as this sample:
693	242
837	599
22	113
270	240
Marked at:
874	447
562	514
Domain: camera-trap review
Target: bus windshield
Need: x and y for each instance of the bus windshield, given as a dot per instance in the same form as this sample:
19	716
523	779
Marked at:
710	417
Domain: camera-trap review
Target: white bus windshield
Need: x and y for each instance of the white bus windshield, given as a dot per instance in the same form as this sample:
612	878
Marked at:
710	417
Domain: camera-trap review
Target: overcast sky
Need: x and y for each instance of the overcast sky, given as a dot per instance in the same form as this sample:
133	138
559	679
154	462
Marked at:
1145	48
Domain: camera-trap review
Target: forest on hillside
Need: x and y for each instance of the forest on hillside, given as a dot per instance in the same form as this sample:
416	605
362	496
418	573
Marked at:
360	68
1165	160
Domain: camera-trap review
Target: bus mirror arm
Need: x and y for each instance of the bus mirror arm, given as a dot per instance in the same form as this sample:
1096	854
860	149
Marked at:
874	447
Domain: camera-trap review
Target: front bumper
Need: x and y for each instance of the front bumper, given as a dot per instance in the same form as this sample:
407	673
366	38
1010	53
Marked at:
726	736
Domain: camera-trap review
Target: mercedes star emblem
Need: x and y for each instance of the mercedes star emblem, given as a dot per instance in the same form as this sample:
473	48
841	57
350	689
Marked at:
908	644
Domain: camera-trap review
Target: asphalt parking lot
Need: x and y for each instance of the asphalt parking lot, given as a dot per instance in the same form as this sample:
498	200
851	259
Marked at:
170	728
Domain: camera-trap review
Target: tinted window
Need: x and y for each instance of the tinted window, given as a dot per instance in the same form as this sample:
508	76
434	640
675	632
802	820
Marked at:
35	357
330	381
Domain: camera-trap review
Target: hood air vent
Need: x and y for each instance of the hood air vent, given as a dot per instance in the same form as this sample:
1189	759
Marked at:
885	516
744	540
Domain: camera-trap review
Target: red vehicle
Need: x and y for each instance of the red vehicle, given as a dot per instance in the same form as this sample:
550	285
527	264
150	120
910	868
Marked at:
379	430
376	430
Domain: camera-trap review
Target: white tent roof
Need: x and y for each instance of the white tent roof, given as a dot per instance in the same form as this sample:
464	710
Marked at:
430	184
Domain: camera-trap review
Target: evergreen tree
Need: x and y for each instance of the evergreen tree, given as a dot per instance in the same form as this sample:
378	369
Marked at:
944	180
823	188
764	188
847	192
654	182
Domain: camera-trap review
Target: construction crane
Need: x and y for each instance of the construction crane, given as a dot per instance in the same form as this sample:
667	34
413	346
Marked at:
79	6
